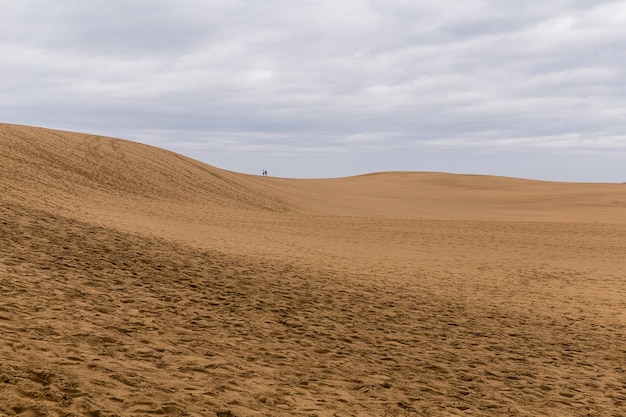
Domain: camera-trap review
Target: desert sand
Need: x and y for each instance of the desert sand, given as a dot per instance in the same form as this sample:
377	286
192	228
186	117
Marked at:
138	282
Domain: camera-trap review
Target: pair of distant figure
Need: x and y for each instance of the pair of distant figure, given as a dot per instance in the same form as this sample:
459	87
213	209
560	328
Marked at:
265	172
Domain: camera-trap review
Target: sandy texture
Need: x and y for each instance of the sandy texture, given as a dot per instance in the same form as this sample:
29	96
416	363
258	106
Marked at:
134	281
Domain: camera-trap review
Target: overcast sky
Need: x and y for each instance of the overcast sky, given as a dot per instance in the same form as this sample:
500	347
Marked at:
533	89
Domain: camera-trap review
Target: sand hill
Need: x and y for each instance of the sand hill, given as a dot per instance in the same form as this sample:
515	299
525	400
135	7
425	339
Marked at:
135	281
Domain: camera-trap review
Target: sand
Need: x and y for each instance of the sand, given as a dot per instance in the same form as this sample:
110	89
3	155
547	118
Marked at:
135	281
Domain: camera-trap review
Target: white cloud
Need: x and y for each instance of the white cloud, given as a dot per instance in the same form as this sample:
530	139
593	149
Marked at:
322	77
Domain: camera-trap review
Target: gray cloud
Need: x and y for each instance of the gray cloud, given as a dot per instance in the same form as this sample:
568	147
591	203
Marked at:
355	86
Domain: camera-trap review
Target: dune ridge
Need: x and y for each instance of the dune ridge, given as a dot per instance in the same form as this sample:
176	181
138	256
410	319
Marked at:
134	281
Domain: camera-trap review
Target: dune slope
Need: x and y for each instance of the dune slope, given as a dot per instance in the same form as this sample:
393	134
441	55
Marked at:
134	281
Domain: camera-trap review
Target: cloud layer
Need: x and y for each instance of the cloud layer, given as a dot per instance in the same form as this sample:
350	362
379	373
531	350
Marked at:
326	88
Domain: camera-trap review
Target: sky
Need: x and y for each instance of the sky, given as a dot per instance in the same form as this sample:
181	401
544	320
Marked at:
316	89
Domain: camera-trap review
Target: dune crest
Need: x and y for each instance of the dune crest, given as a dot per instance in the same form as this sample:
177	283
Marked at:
83	166
135	281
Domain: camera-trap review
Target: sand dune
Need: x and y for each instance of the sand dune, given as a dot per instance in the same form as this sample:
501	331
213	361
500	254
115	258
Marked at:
135	281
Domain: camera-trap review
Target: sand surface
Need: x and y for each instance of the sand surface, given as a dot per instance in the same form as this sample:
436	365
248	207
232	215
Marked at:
137	282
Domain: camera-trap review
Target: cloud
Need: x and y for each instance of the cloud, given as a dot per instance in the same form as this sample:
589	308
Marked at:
321	77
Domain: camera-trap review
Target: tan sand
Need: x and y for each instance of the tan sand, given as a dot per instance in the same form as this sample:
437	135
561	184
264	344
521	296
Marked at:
134	281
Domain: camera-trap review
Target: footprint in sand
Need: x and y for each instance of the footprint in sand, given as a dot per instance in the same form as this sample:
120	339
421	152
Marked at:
27	412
